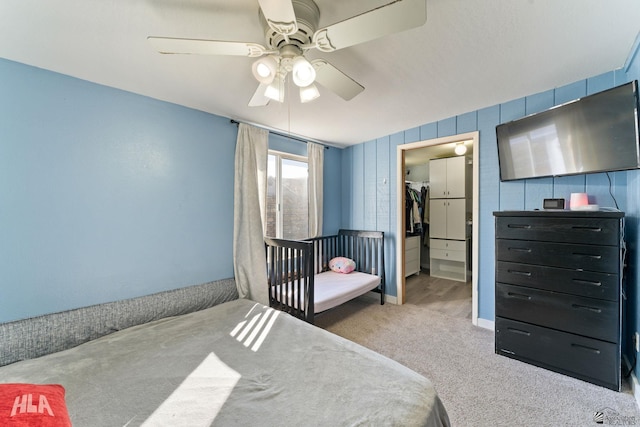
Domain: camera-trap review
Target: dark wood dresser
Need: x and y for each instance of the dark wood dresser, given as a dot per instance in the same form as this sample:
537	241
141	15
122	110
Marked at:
559	291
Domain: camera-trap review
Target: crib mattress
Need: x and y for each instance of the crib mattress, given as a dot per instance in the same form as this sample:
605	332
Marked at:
332	289
238	363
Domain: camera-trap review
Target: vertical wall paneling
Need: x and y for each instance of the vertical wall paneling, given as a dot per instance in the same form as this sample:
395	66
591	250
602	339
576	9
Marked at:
536	190
467	122
347	189
488	118
412	135
428	131
563	186
570	92
358	195
382	205
370	215
607	190
539	102
602	82
447	127
332	186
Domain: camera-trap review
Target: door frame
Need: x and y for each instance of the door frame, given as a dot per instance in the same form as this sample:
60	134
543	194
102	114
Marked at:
400	222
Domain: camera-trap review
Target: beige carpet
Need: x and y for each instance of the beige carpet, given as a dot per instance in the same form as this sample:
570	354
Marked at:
478	387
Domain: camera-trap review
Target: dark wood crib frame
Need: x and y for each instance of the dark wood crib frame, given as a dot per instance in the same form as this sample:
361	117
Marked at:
293	264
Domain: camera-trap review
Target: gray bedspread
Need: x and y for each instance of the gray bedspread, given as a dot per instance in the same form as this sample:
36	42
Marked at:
236	364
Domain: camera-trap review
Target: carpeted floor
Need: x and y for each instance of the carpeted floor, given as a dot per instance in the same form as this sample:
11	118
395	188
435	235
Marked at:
478	387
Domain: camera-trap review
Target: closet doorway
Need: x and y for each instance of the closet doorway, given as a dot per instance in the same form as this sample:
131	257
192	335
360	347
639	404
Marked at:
435	148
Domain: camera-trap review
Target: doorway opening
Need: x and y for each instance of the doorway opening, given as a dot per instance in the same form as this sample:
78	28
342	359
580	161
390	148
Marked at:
445	143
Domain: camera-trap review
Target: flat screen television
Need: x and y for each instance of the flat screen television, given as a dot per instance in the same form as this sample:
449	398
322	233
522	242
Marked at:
596	133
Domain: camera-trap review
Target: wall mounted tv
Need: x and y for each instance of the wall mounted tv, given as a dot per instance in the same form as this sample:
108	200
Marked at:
596	133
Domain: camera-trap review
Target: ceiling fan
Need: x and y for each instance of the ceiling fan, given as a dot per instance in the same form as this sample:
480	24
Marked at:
291	28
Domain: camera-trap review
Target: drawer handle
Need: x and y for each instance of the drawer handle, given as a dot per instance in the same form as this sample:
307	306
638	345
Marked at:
517	295
586	307
587	282
588	255
520	273
525	226
520	249
519	331
586	228
583	347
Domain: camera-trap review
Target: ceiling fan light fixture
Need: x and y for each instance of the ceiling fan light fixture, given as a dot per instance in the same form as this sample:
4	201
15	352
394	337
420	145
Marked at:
309	93
303	72
275	91
265	69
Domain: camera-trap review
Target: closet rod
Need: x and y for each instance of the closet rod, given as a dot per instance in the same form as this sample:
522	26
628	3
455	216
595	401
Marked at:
275	132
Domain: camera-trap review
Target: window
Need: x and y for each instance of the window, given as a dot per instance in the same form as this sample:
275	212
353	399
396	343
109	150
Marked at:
287	196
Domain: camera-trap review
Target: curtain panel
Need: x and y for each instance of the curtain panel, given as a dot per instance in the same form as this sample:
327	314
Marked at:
249	212
315	154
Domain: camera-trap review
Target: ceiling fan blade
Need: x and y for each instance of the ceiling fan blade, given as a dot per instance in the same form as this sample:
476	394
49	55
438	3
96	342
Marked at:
394	17
206	47
280	15
335	80
259	99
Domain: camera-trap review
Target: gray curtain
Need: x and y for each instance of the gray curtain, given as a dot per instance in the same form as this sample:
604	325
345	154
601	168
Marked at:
249	212
315	154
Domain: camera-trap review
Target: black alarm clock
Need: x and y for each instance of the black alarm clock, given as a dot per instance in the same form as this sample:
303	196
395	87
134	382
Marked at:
553	204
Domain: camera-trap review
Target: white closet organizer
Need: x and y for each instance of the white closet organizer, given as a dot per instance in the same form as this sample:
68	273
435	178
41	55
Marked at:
412	255
449	211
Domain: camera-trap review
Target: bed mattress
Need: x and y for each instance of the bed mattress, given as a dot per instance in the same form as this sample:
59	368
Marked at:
238	363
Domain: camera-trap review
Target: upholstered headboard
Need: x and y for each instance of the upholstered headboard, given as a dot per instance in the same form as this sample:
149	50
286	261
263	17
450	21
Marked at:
37	336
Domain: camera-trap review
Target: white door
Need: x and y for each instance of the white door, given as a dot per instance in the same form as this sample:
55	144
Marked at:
456	177
438	178
438	218
456	219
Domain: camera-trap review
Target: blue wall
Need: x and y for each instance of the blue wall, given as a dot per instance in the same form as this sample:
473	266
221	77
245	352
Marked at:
106	195
370	202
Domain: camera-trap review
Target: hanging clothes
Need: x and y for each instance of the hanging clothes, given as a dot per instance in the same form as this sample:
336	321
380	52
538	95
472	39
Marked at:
424	193
414	208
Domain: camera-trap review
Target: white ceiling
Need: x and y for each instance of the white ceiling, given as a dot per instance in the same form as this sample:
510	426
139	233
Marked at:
469	55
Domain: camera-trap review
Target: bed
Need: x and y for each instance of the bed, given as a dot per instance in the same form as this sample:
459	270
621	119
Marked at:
311	276
234	362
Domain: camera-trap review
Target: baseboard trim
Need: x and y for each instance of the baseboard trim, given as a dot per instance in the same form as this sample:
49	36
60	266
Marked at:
390	299
486	324
375	296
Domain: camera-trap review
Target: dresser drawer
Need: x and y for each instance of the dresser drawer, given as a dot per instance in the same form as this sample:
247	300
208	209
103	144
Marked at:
569	230
577	282
411	243
451	245
459	256
590	317
587	257
411	258
588	359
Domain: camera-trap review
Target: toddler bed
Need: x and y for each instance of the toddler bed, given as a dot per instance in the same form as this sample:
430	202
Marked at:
310	276
237	363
